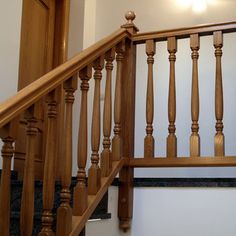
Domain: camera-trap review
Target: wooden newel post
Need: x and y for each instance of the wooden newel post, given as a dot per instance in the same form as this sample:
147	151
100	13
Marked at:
7	135
125	207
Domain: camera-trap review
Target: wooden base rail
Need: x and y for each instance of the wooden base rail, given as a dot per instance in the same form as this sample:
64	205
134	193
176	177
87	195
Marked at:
219	161
78	222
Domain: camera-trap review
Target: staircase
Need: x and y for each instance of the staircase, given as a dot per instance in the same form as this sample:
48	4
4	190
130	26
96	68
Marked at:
117	155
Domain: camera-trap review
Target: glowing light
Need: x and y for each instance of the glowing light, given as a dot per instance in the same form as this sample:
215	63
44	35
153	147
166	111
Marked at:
199	6
185	3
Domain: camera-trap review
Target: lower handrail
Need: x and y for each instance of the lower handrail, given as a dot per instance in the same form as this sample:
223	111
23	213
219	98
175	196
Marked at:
78	222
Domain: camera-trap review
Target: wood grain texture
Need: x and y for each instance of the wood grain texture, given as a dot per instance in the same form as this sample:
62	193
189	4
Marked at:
49	168
171	146
116	140
7	151
80	190
219	102
94	172
13	106
106	156
195	138
202	30
27	199
78	222
64	212
220	161
149	142
125	201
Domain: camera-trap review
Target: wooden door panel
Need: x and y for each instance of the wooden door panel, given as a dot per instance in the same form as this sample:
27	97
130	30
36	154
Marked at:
36	59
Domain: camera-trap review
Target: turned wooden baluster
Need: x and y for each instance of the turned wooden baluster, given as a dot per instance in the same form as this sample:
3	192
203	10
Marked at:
5	191
116	141
171	139
195	138
64	212
219	103
106	157
94	173
80	191
27	200
149	142
49	168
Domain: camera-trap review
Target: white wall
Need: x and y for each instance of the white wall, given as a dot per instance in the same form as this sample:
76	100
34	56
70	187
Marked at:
173	212
10	21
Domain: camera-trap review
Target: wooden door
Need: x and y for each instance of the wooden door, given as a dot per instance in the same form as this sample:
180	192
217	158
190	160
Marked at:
41	49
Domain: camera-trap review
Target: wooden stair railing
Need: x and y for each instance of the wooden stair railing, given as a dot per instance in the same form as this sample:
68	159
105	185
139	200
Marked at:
86	198
115	158
195	159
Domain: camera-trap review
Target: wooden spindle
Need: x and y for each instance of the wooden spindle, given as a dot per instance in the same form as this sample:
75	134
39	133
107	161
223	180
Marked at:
49	167
195	138
80	191
171	139
116	141
27	199
5	191
106	157
94	173
149	142
64	212
219	103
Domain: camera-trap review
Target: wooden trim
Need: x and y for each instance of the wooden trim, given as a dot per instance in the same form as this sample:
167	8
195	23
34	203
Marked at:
182	162
78	222
202	30
33	92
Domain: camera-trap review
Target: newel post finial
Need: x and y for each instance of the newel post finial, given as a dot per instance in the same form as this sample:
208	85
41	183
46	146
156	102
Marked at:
129	25
130	17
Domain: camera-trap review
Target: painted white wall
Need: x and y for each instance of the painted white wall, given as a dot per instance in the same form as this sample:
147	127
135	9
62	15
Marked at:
10	22
173	211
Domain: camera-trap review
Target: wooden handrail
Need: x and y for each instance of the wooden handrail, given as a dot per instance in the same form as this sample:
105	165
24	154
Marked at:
202	30
33	92
160	162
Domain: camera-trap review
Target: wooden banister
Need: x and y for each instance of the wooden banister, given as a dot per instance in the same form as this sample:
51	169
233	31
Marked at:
202	30
219	102
195	138
106	156
49	167
171	145
80	191
7	134
33	92
116	141
149	142
64	212
27	200
94	173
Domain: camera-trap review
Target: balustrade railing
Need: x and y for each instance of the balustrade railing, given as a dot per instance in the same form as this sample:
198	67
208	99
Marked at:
117	153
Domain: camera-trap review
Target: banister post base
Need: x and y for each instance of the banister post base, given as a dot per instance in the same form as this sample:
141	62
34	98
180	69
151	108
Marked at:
64	220
125	224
